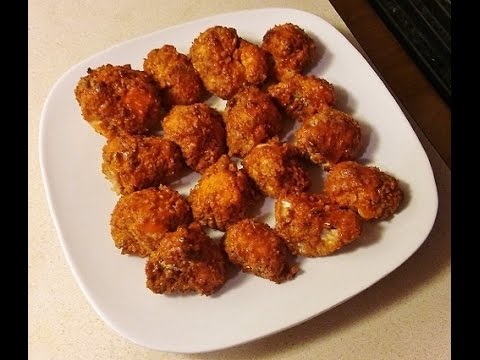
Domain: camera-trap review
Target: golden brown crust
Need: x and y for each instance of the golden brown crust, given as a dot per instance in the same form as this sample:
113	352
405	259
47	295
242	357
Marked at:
135	162
118	99
175	75
250	119
313	226
328	137
186	260
222	196
365	189
276	167
226	63
199	132
291	48
302	96
257	249
140	220
261	85
254	62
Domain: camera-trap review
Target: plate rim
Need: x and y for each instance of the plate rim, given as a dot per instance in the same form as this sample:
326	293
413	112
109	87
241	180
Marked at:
60	233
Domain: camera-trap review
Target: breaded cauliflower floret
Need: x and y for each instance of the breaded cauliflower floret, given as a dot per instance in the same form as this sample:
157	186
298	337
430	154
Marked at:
257	249
365	189
175	75
118	99
301	96
222	196
226	62
313	226
135	162
276	167
186	260
250	119
328	137
291	48
199	132
141	219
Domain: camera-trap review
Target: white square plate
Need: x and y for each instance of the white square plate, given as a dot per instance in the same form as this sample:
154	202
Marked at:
247	307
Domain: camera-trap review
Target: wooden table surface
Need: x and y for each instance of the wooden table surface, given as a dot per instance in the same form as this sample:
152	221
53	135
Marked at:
412	89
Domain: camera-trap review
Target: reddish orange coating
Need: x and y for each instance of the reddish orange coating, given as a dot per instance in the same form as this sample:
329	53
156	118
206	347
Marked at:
186	260
250	119
118	99
313	226
140	220
226	62
301	96
365	189
222	196
257	249
135	162
291	48
199	132
328	137
275	167
175	75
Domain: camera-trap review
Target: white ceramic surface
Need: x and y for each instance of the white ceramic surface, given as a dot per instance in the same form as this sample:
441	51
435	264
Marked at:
246	308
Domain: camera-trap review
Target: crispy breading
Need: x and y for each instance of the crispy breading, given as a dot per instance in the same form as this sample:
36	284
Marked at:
312	225
365	189
175	75
222	196
118	99
160	122
250	119
291	48
135	162
186	260
257	249
140	220
199	132
226	62
301	96
328	137
275	167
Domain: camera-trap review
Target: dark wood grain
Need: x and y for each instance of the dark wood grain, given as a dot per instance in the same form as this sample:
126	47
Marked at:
407	82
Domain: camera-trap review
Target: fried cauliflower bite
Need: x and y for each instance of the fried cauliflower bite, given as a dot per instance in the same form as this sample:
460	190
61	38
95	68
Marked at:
276	167
186	260
175	75
222	196
302	96
250	119
118	99
199	132
328	137
291	48
226	62
257	249
140	220
365	189
313	226
135	162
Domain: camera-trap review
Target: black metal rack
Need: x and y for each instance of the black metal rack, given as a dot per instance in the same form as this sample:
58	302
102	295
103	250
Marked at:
423	27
